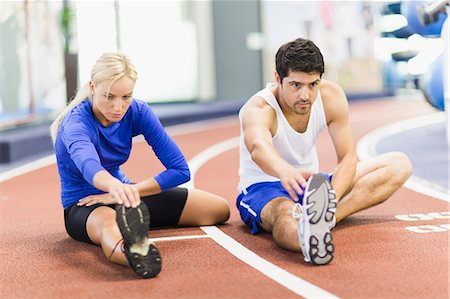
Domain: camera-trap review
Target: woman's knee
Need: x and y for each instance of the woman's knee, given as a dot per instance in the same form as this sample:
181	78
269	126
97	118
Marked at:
220	210
204	208
101	221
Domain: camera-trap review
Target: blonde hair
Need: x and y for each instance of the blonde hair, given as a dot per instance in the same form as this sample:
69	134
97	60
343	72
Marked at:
110	66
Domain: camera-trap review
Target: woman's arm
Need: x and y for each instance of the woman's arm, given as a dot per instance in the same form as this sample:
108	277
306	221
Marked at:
167	151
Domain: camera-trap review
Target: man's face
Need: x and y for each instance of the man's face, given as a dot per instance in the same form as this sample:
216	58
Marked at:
298	91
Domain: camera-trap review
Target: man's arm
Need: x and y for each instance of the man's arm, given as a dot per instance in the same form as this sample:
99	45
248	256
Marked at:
259	124
336	109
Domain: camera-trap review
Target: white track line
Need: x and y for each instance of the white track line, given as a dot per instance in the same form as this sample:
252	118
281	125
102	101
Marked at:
366	148
177	238
295	284
286	279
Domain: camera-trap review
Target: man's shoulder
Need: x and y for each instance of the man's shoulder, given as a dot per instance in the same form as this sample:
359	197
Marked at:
334	100
330	90
257	104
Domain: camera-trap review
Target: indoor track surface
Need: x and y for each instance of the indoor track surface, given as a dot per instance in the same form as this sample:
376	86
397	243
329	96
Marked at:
398	249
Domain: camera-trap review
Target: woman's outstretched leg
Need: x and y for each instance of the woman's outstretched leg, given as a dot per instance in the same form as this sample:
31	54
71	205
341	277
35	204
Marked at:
122	234
103	230
204	208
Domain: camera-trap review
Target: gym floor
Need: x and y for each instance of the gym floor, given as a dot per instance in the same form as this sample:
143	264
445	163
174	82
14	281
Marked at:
398	249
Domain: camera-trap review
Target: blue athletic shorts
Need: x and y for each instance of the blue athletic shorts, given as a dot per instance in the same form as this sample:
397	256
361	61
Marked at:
252	200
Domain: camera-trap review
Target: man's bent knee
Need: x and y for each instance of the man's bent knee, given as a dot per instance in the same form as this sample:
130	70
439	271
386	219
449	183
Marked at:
402	167
279	205
274	209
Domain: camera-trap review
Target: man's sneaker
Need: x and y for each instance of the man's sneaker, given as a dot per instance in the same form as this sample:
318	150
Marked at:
333	223
141	253
317	218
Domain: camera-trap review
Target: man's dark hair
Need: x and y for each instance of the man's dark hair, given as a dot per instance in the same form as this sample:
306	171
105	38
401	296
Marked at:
300	55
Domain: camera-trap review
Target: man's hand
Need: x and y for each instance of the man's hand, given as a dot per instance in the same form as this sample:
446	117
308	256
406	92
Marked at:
293	180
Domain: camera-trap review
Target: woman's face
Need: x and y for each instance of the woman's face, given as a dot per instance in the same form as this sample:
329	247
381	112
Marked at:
111	102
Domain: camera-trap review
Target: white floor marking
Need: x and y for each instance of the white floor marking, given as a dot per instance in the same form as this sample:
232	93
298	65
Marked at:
423	217
429	228
366	148
177	238
281	276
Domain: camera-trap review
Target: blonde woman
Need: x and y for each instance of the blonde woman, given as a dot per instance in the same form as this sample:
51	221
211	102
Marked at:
92	139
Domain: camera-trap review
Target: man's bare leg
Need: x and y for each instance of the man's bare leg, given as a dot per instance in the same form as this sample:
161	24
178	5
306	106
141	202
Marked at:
276	217
310	222
375	181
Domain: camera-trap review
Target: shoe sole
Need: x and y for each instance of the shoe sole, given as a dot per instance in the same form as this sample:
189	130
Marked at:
321	206
149	269
134	225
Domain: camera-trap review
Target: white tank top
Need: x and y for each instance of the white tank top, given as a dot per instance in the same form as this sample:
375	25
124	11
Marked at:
298	149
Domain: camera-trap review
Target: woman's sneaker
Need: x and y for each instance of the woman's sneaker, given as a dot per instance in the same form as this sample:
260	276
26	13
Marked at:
141	253
316	220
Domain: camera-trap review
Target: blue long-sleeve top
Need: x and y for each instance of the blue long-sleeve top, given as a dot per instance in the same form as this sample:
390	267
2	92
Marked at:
84	147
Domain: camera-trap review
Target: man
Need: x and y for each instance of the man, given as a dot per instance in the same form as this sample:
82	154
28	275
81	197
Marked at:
280	188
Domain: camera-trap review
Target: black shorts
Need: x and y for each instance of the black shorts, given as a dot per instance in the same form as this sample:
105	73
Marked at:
165	210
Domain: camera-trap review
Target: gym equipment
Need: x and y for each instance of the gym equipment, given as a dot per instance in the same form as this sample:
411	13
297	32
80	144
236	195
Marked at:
431	13
394	7
428	14
414	11
432	84
403	32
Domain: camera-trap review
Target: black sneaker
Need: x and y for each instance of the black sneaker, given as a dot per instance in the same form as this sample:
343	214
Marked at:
316	220
141	253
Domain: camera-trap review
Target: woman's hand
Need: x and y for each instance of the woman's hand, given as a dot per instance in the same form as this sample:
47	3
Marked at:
90	200
125	194
120	193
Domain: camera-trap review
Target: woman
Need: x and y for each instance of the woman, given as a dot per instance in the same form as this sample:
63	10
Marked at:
92	139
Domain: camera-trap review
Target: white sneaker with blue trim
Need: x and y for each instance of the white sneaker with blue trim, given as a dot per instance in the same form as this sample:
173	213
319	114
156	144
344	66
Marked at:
316	219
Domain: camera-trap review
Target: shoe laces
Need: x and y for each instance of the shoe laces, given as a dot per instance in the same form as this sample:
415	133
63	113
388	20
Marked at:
297	211
115	247
297	214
